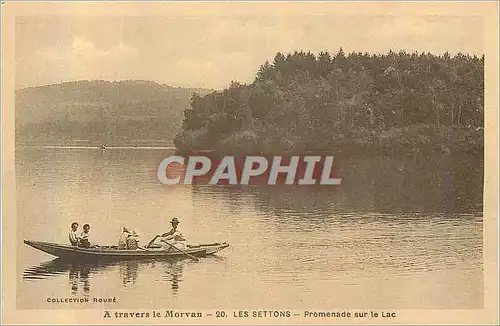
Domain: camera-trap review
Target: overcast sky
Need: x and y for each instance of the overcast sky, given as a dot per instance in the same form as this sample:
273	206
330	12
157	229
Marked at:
208	51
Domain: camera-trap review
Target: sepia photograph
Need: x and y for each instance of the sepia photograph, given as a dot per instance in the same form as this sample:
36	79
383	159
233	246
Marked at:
258	163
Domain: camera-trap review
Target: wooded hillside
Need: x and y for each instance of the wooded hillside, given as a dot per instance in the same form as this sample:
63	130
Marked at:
100	112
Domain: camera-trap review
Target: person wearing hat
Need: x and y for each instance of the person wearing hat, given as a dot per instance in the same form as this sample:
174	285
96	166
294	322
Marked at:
122	241
128	240
173	237
133	241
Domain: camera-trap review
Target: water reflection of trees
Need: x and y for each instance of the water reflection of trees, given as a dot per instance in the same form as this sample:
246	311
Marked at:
81	273
445	184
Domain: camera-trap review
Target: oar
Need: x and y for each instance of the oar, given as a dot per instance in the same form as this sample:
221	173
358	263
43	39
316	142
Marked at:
185	253
151	242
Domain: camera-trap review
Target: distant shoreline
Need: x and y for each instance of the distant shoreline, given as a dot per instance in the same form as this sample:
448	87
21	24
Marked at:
74	146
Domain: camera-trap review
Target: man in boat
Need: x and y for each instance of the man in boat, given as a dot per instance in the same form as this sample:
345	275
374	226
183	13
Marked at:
84	237
73	235
171	238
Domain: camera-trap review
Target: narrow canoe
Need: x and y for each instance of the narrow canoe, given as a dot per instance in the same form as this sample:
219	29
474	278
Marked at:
112	253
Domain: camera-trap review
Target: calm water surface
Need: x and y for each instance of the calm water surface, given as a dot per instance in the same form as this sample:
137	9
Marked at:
396	234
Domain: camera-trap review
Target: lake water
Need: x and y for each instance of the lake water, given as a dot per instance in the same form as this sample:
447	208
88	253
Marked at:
403	234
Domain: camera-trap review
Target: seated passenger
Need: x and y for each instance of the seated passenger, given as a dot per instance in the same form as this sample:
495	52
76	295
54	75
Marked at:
122	242
73	236
128	240
84	237
132	241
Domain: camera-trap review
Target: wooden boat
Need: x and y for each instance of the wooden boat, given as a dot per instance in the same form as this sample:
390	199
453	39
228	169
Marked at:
113	253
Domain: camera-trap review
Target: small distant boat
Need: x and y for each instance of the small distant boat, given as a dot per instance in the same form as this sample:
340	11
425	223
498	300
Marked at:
102	147
113	253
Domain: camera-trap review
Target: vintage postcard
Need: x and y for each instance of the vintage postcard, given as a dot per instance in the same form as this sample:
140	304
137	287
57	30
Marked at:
249	163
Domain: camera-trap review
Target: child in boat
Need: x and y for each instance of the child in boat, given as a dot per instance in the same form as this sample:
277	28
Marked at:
73	235
84	237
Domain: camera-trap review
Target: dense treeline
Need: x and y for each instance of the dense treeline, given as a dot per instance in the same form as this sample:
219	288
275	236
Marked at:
396	102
